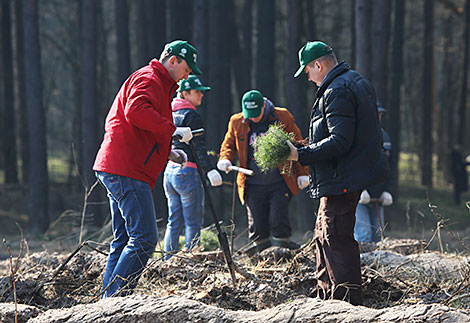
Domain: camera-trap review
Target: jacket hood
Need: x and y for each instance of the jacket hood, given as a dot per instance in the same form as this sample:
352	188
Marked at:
178	104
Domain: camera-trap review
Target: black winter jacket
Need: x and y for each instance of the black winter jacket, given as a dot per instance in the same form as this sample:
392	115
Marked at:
345	139
191	118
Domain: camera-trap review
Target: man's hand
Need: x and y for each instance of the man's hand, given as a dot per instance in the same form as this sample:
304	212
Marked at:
223	165
302	181
293	155
386	199
178	156
365	197
214	177
184	133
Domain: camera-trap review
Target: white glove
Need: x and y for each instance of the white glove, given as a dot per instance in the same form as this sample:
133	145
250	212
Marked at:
302	181
386	199
223	165
214	177
185	133
294	154
178	156
365	197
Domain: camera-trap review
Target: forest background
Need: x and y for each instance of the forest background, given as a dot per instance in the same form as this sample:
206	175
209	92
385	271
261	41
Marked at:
62	62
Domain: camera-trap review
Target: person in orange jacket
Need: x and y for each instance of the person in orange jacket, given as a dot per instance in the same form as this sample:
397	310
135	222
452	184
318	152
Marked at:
266	195
134	151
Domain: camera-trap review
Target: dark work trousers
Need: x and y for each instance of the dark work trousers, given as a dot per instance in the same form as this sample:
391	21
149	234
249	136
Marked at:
337	252
268	210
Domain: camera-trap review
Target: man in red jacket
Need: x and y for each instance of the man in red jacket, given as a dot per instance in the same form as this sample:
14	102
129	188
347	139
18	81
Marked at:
134	151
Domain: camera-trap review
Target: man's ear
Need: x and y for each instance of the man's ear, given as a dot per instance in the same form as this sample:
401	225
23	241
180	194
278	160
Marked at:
173	60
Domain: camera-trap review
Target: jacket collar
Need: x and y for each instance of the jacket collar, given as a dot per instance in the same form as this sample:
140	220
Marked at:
179	104
161	71
335	72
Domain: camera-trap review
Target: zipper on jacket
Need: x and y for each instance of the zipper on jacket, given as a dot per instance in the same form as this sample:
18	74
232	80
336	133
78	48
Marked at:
151	152
171	112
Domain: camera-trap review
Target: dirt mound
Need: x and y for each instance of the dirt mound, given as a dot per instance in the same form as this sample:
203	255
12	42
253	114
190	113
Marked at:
277	276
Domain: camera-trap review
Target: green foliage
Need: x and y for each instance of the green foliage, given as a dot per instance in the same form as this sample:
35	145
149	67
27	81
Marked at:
272	149
209	240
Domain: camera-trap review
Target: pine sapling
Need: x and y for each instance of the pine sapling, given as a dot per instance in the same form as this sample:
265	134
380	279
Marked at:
271	149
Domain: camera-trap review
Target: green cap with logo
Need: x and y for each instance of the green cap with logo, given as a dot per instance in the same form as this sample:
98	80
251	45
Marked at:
183	49
192	83
310	52
252	103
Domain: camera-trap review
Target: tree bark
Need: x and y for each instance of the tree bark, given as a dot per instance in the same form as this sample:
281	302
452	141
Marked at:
446	123
461	132
8	118
380	38
297	101
265	50
180	20
156	21
397	83
219	100
39	183
142	30
427	95
89	86
21	90
122	33
363	46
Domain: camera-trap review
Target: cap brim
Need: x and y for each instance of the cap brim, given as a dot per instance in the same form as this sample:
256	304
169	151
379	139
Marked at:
251	113
299	71
194	68
202	88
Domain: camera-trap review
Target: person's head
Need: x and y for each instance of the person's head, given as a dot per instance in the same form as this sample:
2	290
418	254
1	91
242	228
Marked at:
192	90
179	58
316	60
253	105
381	110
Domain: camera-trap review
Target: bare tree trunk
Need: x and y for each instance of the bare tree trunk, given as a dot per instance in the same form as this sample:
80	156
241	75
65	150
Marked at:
297	101
21	90
89	86
310	31
8	118
219	100
180	20
123	46
428	104
142	30
397	83
39	183
380	38
363	46
247	28
156	21
353	33
463	94
447	100
265	51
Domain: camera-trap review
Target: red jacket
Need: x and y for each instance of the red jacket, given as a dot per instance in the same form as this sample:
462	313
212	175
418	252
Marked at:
139	126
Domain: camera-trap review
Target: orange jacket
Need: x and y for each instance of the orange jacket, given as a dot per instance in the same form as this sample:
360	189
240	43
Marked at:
236	141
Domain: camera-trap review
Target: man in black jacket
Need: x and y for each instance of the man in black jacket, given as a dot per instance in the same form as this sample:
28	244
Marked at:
344	156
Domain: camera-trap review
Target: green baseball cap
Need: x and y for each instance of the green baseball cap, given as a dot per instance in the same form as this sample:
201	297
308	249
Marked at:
183	49
252	103
310	52
192	83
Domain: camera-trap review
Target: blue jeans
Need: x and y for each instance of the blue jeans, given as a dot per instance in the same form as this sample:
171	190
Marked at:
367	228
185	194
134	231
